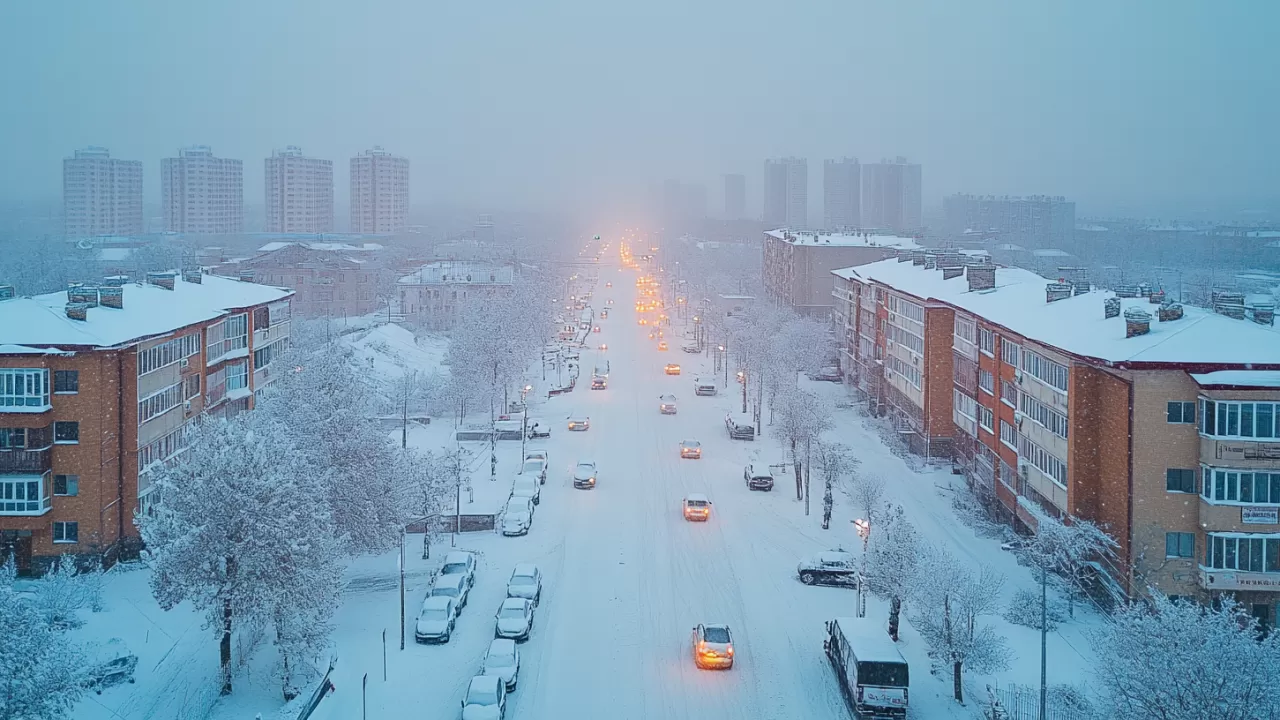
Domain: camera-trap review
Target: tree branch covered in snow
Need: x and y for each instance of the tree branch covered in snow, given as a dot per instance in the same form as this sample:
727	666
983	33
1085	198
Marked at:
41	670
1065	549
1177	660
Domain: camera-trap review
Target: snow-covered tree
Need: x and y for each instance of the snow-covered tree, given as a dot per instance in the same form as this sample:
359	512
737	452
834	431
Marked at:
1176	660
241	536
61	592
41	670
837	462
1066	549
802	418
892	551
948	602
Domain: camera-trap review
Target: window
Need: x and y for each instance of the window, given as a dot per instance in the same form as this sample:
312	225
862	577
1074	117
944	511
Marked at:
1046	463
1181	412
191	387
1179	544
66	431
13	438
263	356
1008	393
1239	419
227	336
237	376
1180	480
66	485
987	381
1043	415
168	353
66	532
21	495
986	341
966	406
1009	351
1246	487
1242	551
23	388
1008	435
163	449
66	381
160	402
986	419
1045	370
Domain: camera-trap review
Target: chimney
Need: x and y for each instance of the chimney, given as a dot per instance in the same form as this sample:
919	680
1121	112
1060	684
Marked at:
1127	291
112	297
904	255
917	257
1170	311
1136	322
114	281
6	292
1156	298
1080	287
930	261
161	279
1056	291
78	311
83	294
952	272
192	275
246	275
1111	308
982	277
1264	315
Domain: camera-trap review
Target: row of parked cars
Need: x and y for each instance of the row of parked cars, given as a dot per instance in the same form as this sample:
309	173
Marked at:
526	494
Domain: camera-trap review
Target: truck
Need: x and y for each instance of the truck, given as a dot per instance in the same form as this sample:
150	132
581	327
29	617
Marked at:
872	673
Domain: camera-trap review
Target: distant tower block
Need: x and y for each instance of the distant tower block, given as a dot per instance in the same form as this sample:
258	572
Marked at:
484	229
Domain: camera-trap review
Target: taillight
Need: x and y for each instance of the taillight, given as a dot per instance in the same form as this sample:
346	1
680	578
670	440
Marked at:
730	651
860	694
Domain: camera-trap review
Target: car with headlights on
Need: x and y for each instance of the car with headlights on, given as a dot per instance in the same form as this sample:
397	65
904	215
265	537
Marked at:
696	506
690	449
579	423
667	404
712	647
584	475
671	369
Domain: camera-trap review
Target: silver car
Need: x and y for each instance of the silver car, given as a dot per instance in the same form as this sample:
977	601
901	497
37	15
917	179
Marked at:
514	619
503	660
435	620
525	582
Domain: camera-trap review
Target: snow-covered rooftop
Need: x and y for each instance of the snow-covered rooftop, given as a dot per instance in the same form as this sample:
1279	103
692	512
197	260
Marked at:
869	238
333	246
148	311
1077	324
450	272
1239	378
870	641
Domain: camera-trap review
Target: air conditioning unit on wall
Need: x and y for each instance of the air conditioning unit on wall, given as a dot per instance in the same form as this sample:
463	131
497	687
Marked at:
184	363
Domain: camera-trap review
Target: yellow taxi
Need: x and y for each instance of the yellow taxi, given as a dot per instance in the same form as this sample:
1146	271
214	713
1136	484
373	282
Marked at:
662	345
671	369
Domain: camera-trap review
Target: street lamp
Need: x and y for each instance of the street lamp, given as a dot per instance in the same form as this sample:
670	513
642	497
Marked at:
864	532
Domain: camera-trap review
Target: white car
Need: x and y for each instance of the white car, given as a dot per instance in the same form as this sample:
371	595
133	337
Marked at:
514	619
527	487
486	699
525	582
435	620
452	586
460	562
516	520
503	661
667	404
579	423
691	449
535	467
584	475
539	429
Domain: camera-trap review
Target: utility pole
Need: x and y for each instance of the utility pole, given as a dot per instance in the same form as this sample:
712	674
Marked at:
524	435
384	632
744	390
493	432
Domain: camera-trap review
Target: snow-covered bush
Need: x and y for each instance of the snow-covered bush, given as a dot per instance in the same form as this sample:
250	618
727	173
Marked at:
41	670
61	592
1024	609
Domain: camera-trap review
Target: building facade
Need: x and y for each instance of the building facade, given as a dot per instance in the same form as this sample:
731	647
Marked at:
433	296
101	195
329	280
841	194
1035	222
201	193
735	197
299	193
99	386
786	193
797	265
892	195
1157	421
379	192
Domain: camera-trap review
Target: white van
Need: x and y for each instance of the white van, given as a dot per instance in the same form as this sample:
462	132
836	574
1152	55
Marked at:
872	673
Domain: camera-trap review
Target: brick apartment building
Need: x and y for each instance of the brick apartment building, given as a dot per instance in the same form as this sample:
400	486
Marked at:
797	265
329	279
432	296
98	386
1159	421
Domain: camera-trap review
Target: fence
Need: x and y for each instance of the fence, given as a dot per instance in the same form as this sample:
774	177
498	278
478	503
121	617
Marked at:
1020	702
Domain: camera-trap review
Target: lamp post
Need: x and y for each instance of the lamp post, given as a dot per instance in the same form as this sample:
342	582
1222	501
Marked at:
864	532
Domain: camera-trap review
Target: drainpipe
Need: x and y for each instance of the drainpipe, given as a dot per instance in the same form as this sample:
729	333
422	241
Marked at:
120	448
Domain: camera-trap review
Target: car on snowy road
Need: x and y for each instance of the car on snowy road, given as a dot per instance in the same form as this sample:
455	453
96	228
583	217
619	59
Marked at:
460	562
662	345
584	475
525	582
514	619
712	647
539	429
579	423
536	468
671	369
536	455
696	507
758	477
690	348
690	449
833	567
503	661
704	387
527	487
667	404
516	522
452	586
435	620
599	382
486	699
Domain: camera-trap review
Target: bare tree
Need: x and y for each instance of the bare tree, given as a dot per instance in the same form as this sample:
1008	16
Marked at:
837	462
803	417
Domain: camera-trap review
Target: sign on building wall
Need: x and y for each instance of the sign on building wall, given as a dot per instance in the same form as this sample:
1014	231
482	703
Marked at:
1260	515
1232	580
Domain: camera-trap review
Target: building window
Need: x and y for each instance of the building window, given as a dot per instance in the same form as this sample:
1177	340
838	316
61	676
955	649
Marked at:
23	388
237	376
1239	419
1043	460
160	403
1179	544
66	431
168	353
986	341
191	387
1048	418
1240	551
1181	412
1009	352
1245	487
66	532
1009	394
986	419
987	381
1045	370
66	485
66	381
163	449
13	438
1008	435
263	356
21	495
1180	480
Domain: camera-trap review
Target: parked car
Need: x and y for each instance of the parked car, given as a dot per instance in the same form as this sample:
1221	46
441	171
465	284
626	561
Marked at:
518	517
514	619
527	487
536	468
526	582
704	387
696	507
690	449
740	426
584	475
502	661
113	665
690	348
579	423
452	586
833	567
537	454
671	369
435	620
486	699
539	429
460	562
758	477
712	647
667	404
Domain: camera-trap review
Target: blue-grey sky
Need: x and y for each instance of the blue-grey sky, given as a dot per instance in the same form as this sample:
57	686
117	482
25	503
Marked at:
1141	104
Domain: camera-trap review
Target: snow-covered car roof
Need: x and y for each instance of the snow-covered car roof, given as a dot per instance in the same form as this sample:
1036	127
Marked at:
456	556
515	602
525	569
502	646
690	443
835	557
667	398
452	580
592	463
437	602
696	497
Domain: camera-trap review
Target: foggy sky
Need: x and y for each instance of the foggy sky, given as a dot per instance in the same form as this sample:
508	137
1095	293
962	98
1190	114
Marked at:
568	104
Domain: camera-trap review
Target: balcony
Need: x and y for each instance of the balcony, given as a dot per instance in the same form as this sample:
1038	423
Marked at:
25	495
24	462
